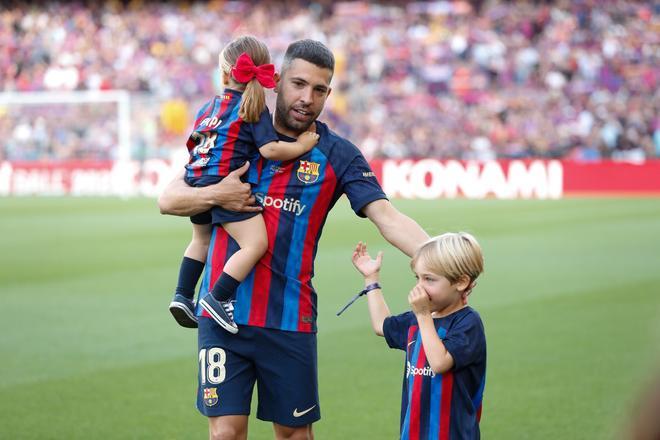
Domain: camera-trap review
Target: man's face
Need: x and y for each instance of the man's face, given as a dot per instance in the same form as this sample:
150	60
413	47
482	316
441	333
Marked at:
301	94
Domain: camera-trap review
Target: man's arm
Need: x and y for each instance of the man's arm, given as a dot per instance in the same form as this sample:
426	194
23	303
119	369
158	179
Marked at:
397	228
180	199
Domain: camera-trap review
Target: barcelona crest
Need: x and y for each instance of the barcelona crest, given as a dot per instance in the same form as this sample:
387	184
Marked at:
210	396
308	172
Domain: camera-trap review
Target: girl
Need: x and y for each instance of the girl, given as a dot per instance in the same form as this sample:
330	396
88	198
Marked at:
231	129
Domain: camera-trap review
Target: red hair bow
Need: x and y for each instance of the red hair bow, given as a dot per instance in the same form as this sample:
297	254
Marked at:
244	70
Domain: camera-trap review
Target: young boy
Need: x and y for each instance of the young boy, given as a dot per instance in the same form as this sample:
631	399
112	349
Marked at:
443	338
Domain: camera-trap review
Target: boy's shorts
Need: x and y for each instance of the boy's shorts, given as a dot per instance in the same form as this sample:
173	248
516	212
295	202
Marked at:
282	363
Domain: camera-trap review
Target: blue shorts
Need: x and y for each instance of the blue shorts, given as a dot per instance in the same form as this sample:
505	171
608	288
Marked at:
215	215
283	364
218	216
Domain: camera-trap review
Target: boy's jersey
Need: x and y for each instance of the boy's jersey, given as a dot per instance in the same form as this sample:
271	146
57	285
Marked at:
297	196
221	141
441	406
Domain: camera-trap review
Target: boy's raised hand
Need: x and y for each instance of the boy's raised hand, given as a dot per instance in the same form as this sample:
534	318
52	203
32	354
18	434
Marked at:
363	262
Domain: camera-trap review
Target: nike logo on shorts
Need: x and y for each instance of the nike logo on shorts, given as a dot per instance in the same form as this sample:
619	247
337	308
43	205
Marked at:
302	413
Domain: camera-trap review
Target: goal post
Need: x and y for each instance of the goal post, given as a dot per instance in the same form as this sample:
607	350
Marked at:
78	143
121	98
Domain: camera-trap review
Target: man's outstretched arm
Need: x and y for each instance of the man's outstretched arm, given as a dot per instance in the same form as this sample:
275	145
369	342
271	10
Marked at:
180	199
397	228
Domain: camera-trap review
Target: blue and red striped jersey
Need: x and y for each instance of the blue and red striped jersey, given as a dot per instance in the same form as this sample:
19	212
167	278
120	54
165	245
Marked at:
222	142
297	196
441	406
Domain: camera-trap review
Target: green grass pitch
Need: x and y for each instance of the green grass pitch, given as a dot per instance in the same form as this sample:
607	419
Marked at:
570	300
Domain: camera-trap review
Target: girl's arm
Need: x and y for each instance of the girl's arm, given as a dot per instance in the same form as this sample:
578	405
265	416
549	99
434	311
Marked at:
440	360
280	150
370	269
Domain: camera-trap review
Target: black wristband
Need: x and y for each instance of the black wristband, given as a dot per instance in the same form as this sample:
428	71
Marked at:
369	288
364	291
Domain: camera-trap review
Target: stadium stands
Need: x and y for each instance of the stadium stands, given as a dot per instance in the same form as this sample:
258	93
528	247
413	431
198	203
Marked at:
419	79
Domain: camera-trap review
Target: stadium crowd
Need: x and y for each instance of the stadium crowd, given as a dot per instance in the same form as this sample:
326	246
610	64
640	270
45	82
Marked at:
571	79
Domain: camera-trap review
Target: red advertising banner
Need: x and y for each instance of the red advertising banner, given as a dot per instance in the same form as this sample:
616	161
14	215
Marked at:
506	179
404	178
612	178
86	178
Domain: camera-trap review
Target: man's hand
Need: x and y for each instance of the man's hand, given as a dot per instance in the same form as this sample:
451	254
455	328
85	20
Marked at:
180	199
232	194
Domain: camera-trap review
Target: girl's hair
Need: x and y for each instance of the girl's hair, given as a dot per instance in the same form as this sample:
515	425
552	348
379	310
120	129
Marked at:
253	101
451	255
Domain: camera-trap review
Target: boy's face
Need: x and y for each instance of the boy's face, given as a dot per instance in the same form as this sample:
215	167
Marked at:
301	94
442	294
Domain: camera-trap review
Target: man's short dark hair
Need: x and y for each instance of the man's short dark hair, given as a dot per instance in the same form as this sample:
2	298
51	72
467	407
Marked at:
311	51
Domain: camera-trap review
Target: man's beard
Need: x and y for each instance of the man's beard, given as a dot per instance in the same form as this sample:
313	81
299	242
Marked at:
285	120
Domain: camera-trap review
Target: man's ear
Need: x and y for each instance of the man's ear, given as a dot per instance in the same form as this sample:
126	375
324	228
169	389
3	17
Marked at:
276	77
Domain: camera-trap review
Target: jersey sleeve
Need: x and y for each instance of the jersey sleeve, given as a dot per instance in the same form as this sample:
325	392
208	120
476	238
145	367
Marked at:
263	131
395	330
360	185
466	341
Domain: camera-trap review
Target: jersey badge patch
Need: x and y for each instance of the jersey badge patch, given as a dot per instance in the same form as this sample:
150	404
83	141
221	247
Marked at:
308	172
210	396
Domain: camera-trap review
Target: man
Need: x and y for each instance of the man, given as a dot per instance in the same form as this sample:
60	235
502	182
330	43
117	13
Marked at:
276	305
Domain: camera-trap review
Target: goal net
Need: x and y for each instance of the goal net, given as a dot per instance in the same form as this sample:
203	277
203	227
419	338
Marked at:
65	126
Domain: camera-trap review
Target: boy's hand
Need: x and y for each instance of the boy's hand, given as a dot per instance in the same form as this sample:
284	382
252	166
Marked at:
419	301
364	264
308	139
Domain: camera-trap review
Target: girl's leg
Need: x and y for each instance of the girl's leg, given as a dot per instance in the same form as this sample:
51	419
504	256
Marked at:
194	258
251	236
192	266
199	245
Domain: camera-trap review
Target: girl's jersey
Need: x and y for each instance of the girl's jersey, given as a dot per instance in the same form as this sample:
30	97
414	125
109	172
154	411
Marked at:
441	406
297	196
221	141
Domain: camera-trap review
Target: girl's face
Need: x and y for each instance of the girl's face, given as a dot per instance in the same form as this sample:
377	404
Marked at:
442	294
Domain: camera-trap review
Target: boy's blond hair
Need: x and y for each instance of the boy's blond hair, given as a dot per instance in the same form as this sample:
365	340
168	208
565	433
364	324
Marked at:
254	98
451	255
